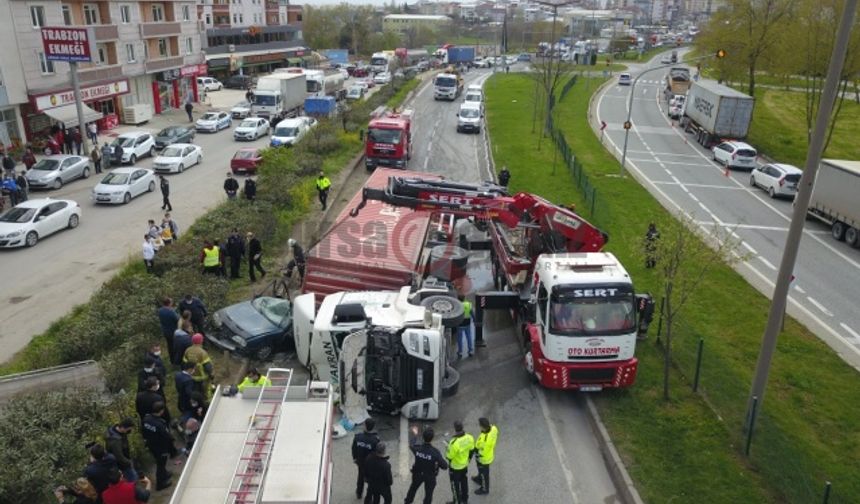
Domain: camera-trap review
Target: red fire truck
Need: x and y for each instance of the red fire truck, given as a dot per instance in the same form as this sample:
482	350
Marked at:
389	139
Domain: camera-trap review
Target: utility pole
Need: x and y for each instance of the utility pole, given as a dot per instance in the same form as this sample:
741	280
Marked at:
801	204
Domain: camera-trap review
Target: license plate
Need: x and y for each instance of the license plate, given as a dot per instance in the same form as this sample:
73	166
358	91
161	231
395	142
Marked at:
591	388
102	199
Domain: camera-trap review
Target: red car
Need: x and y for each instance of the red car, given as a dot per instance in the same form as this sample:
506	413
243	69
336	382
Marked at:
245	161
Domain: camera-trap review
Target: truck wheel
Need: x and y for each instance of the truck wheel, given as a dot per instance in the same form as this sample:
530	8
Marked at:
450	382
529	362
838	230
450	308
852	237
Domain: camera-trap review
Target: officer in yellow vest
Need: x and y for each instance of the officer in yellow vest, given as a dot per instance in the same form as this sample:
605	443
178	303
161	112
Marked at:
460	450
211	258
323	187
254	379
486	448
204	371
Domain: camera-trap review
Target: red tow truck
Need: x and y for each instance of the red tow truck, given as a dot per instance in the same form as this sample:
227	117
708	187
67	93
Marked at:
389	139
579	315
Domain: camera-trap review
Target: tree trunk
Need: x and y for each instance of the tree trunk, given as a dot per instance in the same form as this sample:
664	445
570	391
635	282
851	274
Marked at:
667	351
752	80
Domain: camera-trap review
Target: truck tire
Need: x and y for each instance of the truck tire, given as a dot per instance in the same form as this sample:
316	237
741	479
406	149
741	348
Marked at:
450	308
838	230
450	382
852	237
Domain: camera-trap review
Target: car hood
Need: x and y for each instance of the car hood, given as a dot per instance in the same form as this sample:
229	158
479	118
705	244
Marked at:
40	174
8	227
107	188
240	109
167	159
242	317
206	122
245	129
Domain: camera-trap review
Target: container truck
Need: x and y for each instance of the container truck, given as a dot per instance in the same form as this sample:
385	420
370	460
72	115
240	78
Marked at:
461	55
835	199
714	112
319	82
279	95
320	106
389	140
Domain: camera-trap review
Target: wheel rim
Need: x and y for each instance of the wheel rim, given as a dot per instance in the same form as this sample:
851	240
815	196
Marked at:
181	168
126	198
838	230
32	238
852	236
151	186
752	181
58	184
133	159
73	221
771	192
264	353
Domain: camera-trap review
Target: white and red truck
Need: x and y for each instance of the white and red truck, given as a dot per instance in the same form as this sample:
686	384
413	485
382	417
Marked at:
388	141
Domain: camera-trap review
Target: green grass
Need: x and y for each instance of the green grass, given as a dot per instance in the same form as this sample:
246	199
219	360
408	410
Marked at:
633	54
687	449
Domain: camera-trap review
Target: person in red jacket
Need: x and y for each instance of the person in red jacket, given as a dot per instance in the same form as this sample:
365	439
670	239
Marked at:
121	491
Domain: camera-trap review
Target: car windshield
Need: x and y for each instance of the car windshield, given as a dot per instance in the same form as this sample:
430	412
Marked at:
115	179
248	124
313	86
209	117
354	92
446	81
172	152
473	97
124	141
583	316
18	215
167	132
286	131
274	309
264	99
242	104
470	113
245	154
46	165
388	136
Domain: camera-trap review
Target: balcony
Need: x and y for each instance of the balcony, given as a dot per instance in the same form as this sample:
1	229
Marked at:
105	33
160	29
270	5
164	63
100	72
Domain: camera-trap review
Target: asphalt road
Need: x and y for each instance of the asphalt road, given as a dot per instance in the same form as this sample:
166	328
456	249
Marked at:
681	175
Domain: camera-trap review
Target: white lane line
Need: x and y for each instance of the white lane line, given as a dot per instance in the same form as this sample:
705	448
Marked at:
767	263
430	145
667	162
692	196
748	247
426	161
557	442
669	154
703	186
849	330
702	205
819	306
799	289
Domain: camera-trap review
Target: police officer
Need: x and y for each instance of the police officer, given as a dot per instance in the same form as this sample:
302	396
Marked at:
323	187
377	470
363	444
159	441
460	449
428	461
485	446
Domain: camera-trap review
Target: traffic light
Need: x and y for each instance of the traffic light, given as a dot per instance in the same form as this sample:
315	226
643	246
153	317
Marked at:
721	54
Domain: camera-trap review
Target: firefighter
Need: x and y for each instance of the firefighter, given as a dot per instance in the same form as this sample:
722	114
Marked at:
460	449
363	444
428	461
485	446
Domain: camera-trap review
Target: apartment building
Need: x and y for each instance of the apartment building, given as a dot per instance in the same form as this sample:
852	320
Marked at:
404	22
13	89
147	52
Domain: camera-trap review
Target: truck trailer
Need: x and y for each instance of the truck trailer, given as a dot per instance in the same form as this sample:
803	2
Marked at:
279	95
835	199
714	112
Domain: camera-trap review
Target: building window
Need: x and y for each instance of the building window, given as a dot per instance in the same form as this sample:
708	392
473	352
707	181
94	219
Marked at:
125	14
9	133
129	53
157	13
67	15
208	19
241	18
162	48
145	52
45	64
186	13
189	46
101	54
91	14
37	16
235	18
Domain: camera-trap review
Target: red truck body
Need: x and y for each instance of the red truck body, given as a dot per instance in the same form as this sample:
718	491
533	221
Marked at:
381	249
389	140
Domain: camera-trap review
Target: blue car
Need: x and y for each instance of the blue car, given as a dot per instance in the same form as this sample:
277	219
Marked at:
254	329
214	121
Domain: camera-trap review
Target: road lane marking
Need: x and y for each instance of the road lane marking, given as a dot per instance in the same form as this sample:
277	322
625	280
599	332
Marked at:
426	161
557	442
849	330
767	263
703	186
819	306
799	289
662	153
748	247
693	197
657	160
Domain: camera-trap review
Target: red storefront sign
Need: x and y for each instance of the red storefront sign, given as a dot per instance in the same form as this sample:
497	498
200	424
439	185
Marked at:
68	44
192	70
88	93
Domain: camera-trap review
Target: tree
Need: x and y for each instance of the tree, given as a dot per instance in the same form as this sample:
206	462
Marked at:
682	260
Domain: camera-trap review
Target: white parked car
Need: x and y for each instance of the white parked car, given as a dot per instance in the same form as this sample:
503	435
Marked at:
54	171
777	179
32	220
382	78
123	184
251	128
209	84
213	121
355	93
135	145
176	158
290	131
733	154
241	110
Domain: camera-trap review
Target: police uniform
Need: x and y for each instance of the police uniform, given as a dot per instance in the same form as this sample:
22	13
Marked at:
363	444
428	461
485	446
459	451
156	435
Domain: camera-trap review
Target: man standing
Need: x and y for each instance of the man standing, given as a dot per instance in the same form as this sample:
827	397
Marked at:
323	187
203	371
485	447
145	400
78	140
211	258
184	381
122	491
250	189
116	443
363	444
102	465
231	187
198	311
9	164
107	154
174	227
169	321
93	132
504	176
96	157
298	260
23	186
377	469
150	370
464	332
148	253
29	159
156	435
189	106
255	255
165	193
651	237
117	154
236	251
459	451
428	461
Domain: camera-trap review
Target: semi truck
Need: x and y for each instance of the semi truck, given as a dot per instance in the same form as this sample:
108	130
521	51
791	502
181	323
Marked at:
319	82
381	61
447	86
264	445
714	112
279	95
452	55
834	199
389	139
578	313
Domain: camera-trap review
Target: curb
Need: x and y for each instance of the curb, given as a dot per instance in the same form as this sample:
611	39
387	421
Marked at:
617	470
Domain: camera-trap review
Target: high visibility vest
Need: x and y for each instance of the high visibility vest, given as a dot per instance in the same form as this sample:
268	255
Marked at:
323	183
486	445
166	234
212	257
259	383
459	449
467	309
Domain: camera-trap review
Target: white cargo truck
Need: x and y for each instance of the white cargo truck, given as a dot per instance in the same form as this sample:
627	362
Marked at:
835	199
714	113
279	95
265	445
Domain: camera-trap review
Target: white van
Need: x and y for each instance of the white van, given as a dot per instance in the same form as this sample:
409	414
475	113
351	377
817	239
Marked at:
470	117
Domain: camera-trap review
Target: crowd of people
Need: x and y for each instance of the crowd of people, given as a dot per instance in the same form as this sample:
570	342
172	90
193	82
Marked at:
156	237
215	258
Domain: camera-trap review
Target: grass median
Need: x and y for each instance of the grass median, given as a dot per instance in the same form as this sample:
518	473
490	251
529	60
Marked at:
688	449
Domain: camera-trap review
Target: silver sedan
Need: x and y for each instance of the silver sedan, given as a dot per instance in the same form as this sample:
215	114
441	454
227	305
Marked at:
53	171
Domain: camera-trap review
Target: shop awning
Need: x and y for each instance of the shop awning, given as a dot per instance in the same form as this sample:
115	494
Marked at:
294	61
68	114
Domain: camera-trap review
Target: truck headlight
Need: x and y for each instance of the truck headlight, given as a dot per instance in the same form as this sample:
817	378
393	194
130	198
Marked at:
413	342
239	340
